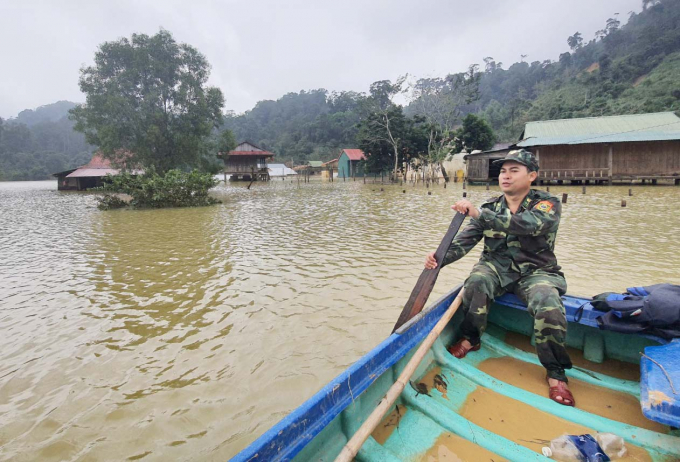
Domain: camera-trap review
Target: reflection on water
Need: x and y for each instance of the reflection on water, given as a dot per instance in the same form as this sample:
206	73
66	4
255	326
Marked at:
186	333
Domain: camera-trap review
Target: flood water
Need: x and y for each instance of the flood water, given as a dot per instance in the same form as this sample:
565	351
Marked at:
184	334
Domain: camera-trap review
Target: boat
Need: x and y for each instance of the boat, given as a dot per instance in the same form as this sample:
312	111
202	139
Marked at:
493	404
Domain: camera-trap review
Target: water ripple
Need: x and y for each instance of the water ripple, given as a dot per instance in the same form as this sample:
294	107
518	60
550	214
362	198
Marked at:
186	333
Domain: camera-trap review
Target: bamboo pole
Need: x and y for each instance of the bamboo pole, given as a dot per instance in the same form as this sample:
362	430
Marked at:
353	445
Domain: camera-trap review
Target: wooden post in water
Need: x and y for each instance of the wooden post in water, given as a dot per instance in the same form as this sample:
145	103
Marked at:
623	203
464	184
429	193
464	194
584	189
630	192
487	186
564	198
547	189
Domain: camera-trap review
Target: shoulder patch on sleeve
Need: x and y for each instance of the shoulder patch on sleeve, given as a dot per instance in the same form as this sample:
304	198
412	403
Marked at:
544	206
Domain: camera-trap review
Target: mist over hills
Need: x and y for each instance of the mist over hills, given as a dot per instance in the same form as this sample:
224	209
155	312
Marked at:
628	68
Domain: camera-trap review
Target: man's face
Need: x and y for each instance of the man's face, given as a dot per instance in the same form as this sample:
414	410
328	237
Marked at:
515	177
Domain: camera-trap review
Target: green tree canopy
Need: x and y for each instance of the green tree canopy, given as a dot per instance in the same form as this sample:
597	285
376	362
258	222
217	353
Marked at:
475	133
148	95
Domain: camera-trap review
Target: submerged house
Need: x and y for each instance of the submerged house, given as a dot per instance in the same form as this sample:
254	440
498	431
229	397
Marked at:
625	148
480	167
90	175
329	168
246	162
280	170
350	163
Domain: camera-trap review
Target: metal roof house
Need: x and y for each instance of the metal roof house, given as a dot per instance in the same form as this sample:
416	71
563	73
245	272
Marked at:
88	176
606	149
280	170
350	163
328	168
480	167
246	162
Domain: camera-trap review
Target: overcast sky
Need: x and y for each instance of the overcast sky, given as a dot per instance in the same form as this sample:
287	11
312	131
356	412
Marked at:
263	49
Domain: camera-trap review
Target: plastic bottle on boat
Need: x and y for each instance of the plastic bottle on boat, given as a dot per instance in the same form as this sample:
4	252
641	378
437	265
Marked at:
586	448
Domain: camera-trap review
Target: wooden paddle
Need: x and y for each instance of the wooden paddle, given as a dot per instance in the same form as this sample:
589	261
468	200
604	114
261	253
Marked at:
354	444
428	277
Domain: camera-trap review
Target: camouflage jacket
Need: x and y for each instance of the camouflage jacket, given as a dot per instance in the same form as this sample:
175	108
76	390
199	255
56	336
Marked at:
514	245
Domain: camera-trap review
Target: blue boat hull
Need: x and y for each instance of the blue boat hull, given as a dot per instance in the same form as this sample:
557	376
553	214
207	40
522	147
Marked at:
319	428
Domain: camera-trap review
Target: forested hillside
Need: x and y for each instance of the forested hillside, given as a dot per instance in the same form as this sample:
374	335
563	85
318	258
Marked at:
625	69
40	142
631	66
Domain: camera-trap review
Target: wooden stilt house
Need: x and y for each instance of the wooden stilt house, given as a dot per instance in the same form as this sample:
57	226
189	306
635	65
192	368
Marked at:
246	162
625	148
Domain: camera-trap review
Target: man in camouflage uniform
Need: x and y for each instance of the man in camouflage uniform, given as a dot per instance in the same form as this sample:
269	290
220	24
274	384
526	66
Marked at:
519	230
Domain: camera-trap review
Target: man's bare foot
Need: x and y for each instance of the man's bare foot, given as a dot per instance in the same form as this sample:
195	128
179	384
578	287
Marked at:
559	392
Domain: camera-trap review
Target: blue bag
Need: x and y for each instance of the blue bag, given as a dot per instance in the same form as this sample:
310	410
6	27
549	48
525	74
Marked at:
590	450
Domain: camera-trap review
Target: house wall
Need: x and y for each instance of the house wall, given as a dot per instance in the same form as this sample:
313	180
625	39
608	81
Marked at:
67	184
653	158
478	168
580	157
343	166
240	164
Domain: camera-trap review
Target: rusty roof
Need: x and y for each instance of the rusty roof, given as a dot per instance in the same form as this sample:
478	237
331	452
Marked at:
251	153
354	154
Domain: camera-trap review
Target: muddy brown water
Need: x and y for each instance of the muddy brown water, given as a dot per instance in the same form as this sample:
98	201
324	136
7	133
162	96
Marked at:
184	334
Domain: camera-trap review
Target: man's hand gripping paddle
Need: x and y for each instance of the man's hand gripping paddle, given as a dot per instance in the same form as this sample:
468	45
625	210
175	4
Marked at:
428	277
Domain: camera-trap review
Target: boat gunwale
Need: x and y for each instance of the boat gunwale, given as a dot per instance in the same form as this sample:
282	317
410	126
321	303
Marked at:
286	430
292	433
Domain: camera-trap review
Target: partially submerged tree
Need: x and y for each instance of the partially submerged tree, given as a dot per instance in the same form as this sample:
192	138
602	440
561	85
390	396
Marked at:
148	95
440	101
382	124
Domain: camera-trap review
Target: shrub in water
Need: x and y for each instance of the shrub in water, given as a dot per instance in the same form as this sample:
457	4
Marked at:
110	201
174	189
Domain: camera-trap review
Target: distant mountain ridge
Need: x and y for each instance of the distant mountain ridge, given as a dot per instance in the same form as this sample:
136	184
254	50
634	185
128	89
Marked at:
47	113
39	142
627	69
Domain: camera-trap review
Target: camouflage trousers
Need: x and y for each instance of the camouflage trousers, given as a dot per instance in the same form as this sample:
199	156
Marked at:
541	292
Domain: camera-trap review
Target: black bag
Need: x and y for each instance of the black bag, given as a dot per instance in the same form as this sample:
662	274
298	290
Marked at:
655	314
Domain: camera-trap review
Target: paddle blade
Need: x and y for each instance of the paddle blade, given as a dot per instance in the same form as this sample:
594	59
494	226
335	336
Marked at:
421	292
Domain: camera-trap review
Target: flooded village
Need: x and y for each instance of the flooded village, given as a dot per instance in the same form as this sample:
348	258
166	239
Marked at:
182	281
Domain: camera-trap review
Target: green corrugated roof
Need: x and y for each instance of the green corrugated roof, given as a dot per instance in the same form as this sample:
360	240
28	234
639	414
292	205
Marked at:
315	163
657	126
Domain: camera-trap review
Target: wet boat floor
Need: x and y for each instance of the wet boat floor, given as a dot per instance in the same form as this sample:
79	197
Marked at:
514	420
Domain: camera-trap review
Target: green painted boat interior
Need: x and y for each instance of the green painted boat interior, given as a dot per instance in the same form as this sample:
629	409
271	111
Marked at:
493	405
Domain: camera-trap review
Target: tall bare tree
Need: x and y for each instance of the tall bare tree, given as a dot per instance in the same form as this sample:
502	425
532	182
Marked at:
381	104
440	101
